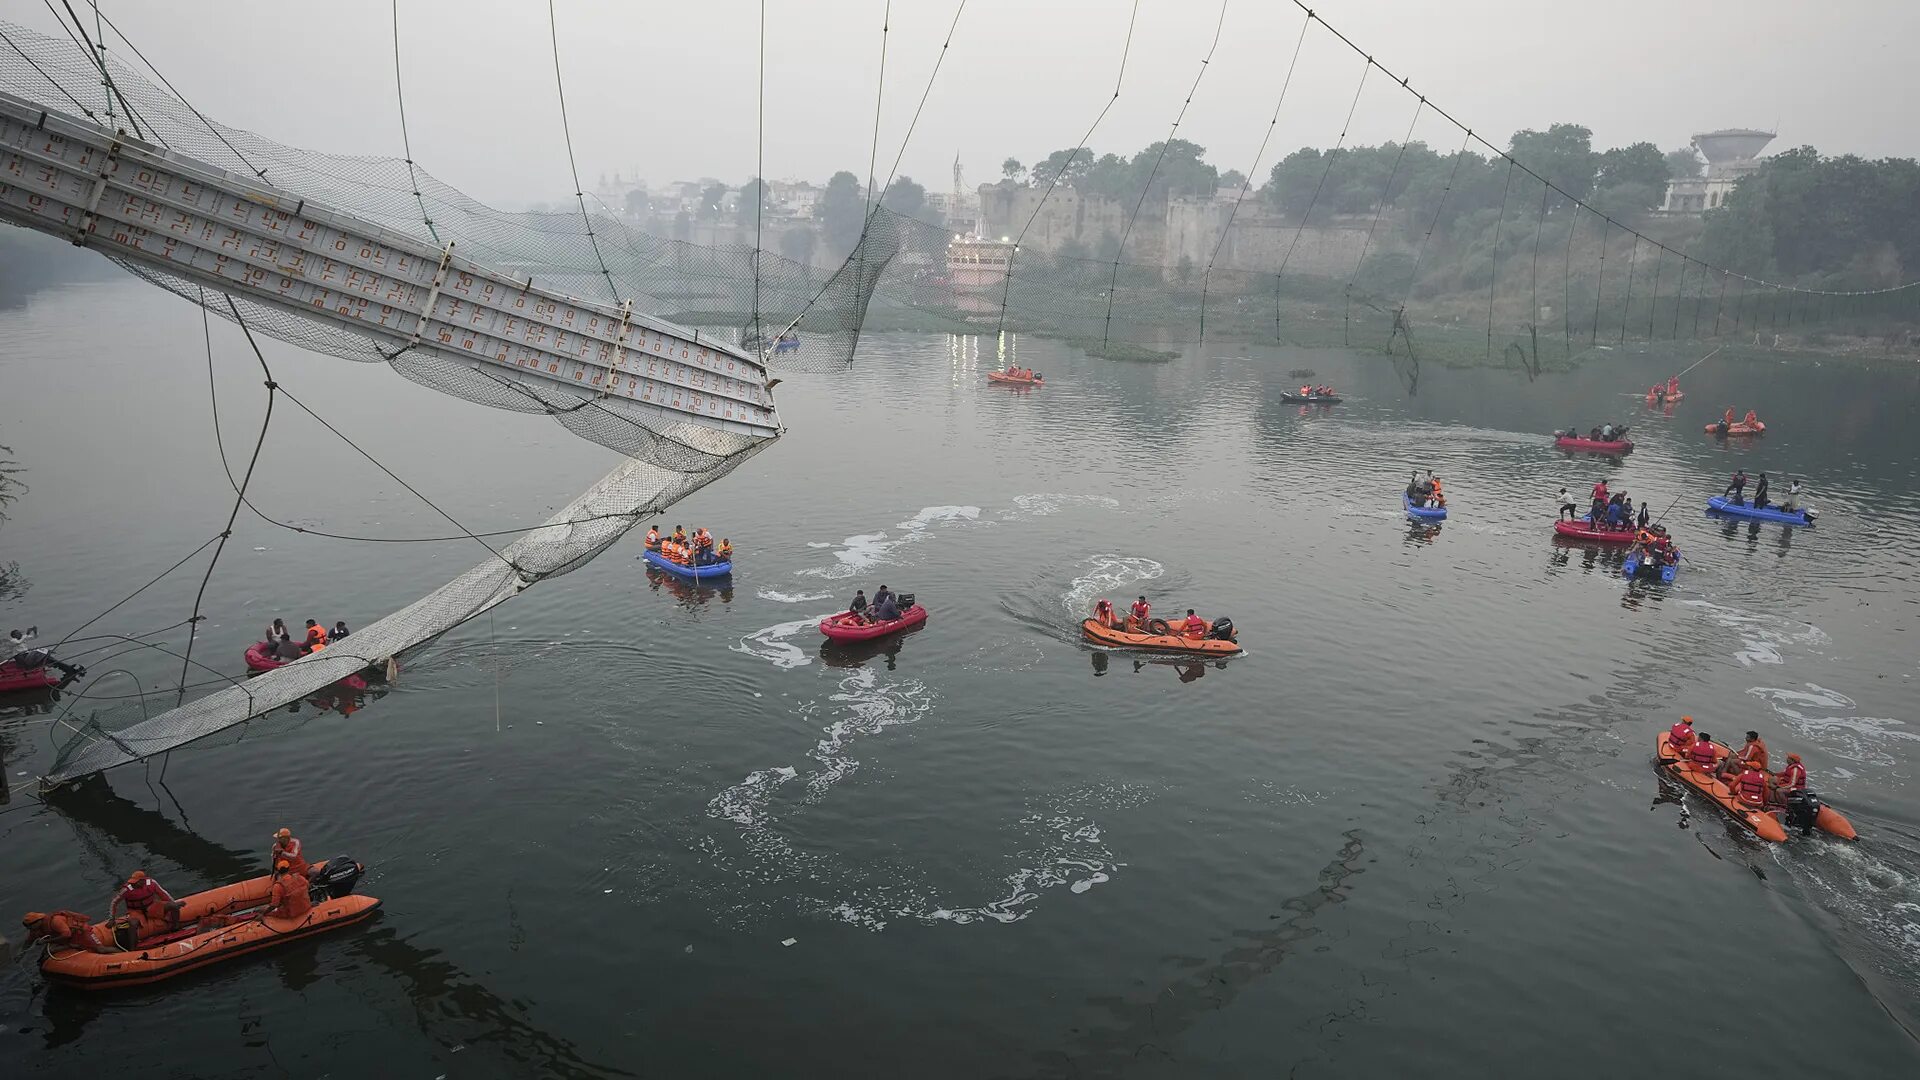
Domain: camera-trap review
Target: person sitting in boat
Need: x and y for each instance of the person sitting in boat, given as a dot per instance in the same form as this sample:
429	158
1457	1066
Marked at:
882	593
1704	755
1760	493
1753	750
146	898
316	636
1138	613
1737	487
885	607
1680	736
724	551
1752	419
1103	614
653	538
339	630
1673	386
1194	626
289	898
1753	787
1306	391
1792	778
65	929
1436	498
858	609
285	650
276	631
286	847
679	535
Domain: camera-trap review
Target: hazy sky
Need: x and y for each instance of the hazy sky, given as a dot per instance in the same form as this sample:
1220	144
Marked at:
669	89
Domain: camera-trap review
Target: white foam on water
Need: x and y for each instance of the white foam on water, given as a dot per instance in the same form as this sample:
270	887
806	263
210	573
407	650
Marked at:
745	803
779	597
1763	638
865	706
771	644
1070	851
1107	574
1824	717
1045	503
863	552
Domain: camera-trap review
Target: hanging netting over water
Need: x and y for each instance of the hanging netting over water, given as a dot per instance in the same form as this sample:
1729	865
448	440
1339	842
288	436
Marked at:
556	313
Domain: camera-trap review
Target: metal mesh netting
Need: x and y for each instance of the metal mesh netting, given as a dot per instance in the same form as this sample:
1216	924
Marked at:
669	458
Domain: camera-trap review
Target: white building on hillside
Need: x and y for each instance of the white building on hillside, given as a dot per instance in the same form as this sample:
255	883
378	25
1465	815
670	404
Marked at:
1731	153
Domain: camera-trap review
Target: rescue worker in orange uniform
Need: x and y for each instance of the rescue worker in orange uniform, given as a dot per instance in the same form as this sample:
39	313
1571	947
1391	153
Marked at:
316	637
286	846
1754	750
679	535
66	929
1752	419
1680	736
653	537
1793	777
1704	755
1103	613
1195	626
1140	611
146	898
724	552
288	898
1753	787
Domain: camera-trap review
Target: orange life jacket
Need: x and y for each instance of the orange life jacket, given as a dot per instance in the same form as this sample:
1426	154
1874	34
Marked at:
1755	752
1794	778
1703	754
1680	736
653	537
1196	626
289	896
1141	609
1751	787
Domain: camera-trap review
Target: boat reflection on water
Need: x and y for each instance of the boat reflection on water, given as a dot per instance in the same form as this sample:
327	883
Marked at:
445	999
689	593
1423	532
1187	668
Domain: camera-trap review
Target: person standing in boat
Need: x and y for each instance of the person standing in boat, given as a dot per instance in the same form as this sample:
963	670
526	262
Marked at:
286	848
1738	487
1792	505
1643	515
1567	510
1760	493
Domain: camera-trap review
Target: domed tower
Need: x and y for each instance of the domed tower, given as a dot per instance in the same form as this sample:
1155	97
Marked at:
1731	153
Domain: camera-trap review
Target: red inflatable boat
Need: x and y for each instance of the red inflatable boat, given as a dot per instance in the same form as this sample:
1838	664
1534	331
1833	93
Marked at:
1584	530
847	627
258	660
1594	446
13	677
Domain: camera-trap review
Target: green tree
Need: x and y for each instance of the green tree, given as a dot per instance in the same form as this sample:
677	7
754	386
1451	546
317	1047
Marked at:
842	212
799	244
1233	180
905	198
1642	164
1181	171
1012	170
712	198
1563	154
1071	166
1684	163
753	194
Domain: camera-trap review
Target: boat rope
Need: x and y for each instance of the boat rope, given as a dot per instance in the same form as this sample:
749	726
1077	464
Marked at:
1119	78
1145	189
1246	181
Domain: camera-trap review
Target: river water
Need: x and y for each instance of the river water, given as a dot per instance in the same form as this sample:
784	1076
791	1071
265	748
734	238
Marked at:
622	826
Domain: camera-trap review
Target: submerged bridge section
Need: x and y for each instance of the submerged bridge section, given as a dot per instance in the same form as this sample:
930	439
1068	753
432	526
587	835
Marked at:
478	331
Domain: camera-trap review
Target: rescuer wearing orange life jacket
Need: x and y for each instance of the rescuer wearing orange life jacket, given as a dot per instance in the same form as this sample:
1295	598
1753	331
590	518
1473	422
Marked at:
1680	736
286	846
1753	750
316	637
1704	754
1753	787
724	552
148	899
288	898
1140	610
65	929
1103	612
1195	626
679	535
653	538
1794	776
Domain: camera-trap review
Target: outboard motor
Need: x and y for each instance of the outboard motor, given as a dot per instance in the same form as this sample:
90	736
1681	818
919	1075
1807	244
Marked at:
1811	513
1802	808
905	600
334	878
1222	629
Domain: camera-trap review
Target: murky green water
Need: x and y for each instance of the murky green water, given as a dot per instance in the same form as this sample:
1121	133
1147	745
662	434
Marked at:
1414	831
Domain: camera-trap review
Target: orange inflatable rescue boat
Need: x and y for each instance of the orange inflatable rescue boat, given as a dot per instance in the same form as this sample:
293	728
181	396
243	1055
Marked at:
1160	637
198	944
1768	824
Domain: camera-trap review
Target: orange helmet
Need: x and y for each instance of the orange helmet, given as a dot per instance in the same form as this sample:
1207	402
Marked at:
32	919
283	865
136	877
1686	719
1793	757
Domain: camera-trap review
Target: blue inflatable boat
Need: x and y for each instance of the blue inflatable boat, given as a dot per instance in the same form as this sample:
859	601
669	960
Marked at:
1720	504
709	570
1635	563
1424	513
